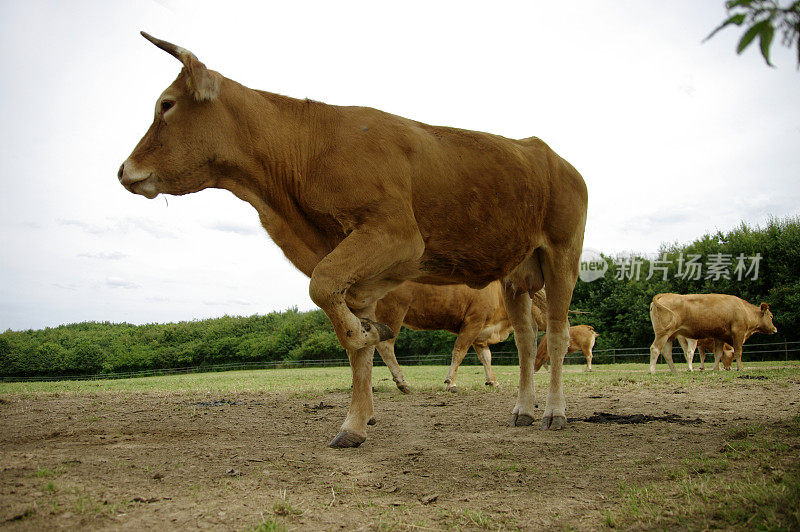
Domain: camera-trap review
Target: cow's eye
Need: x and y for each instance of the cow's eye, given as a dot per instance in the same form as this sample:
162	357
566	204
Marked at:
166	105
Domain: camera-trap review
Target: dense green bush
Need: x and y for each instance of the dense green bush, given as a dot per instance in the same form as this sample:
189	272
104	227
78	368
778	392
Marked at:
617	307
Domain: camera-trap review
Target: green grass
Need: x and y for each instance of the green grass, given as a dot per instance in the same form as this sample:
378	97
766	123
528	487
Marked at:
753	483
310	382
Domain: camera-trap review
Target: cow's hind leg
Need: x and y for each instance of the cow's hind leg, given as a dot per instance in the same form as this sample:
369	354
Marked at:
386	351
656	348
464	339
518	305
688	345
667	352
485	356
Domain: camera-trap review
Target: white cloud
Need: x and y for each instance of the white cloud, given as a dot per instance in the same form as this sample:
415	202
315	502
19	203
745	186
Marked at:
114	255
116	282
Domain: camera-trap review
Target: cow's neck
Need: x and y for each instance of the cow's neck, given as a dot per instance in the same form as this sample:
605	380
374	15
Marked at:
270	175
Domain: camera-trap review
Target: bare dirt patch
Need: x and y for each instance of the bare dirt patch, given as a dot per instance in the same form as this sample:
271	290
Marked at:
435	460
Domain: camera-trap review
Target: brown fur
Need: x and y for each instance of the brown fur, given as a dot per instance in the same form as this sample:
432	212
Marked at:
361	200
717	316
722	351
478	317
581	338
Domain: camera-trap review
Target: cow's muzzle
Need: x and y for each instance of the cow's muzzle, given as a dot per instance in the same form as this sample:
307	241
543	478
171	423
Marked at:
137	181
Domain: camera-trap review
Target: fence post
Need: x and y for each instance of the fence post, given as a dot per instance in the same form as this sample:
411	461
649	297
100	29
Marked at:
786	350
613	356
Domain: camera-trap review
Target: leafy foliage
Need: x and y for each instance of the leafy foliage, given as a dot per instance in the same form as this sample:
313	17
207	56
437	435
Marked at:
762	19
616	305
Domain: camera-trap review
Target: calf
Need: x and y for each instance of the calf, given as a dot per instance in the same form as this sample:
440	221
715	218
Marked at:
478	317
722	351
581	338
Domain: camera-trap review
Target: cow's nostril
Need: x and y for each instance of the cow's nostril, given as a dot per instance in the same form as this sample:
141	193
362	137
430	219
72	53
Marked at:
121	170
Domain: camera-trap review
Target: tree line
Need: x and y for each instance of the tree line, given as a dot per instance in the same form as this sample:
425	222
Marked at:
616	305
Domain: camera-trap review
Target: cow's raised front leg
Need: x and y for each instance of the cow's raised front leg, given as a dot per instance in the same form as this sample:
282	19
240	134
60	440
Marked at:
464	339
360	270
518	306
366	265
354	429
485	356
386	351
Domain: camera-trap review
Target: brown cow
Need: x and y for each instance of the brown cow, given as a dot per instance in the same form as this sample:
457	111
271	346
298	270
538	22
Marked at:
478	317
581	338
719	316
361	200
723	351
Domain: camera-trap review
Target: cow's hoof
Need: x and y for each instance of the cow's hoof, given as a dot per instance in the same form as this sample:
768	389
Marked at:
453	389
493	384
404	388
346	439
552	422
384	331
521	420
371	421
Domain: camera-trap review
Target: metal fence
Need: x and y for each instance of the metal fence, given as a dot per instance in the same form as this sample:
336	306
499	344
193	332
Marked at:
750	353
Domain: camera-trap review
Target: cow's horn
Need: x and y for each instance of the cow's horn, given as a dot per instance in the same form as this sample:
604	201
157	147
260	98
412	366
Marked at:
203	83
175	51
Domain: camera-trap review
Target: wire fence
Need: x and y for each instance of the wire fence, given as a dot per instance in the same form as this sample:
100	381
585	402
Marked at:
750	353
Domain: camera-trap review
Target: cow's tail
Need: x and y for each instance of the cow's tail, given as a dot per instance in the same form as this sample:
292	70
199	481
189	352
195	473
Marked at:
654	315
541	354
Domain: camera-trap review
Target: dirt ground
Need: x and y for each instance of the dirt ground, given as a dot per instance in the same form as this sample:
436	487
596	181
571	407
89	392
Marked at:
433	461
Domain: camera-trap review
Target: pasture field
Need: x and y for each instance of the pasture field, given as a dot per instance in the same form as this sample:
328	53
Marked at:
247	451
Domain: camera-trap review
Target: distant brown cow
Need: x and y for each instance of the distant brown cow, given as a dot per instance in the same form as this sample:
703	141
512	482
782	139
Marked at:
718	316
723	351
361	200
581	338
478	317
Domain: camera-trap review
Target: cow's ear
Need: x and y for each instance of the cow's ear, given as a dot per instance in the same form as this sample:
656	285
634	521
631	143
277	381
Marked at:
764	307
201	82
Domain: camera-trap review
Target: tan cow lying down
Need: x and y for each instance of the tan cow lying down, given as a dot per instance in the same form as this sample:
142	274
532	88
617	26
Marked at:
718	316
361	200
478	317
581	338
723	351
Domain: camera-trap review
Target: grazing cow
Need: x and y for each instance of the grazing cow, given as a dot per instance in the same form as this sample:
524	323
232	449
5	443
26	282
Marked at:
718	316
361	200
478	317
581	338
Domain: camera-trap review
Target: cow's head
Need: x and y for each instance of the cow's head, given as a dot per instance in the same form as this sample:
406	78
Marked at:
765	324
186	144
727	356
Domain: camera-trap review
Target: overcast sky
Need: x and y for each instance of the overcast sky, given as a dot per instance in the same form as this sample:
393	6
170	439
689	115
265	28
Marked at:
673	137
